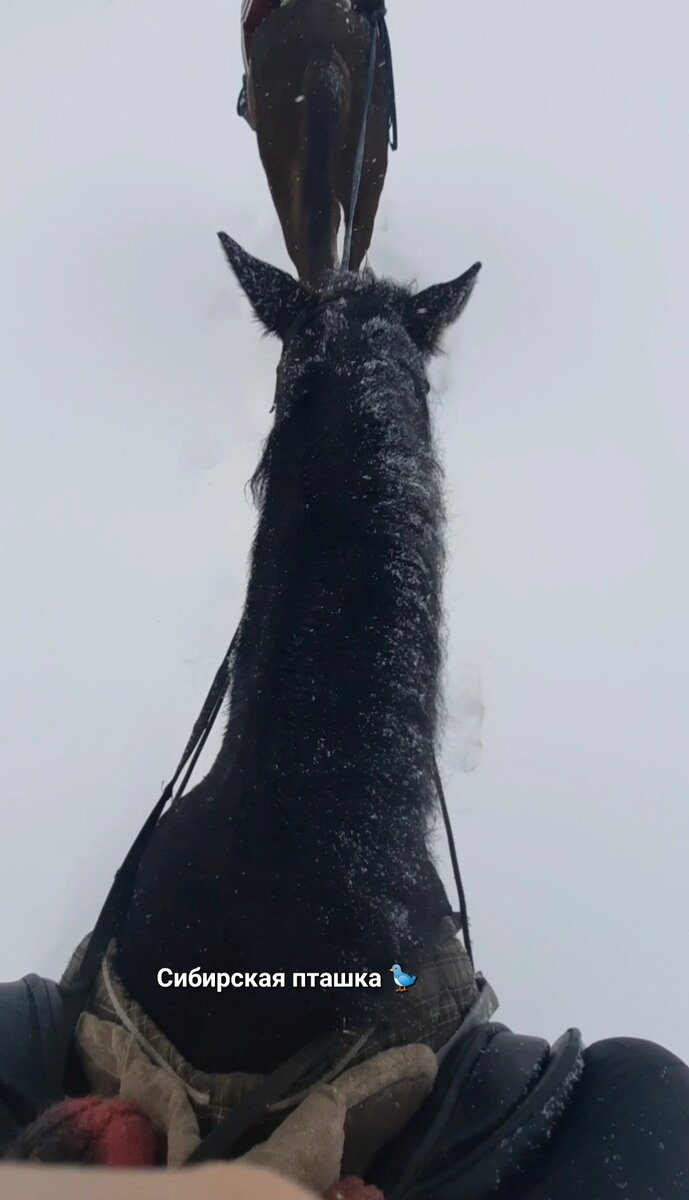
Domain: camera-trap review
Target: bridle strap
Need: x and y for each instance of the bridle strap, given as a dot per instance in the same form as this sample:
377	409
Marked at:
306	316
313	1059
462	914
119	897
379	36
376	20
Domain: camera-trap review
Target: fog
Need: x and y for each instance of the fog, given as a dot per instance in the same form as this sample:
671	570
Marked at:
135	393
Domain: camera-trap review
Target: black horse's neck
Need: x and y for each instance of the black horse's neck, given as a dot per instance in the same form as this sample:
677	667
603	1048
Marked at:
334	698
306	846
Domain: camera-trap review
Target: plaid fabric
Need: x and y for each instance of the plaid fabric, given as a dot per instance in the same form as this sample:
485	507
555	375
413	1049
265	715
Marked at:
429	1014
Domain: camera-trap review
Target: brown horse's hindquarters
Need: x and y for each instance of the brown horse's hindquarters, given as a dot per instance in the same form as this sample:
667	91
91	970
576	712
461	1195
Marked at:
308	98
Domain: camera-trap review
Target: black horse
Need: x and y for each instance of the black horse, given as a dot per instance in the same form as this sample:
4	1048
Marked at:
306	847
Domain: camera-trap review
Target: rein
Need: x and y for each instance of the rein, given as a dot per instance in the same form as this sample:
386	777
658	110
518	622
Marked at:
120	894
308	1062
119	897
379	34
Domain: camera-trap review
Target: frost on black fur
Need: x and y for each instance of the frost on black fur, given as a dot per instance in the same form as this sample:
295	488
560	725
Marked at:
309	840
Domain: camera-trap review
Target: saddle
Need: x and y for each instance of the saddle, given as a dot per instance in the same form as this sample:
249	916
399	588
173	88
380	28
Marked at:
496	1099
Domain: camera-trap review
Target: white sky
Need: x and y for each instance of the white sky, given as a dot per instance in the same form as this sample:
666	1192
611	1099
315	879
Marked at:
551	143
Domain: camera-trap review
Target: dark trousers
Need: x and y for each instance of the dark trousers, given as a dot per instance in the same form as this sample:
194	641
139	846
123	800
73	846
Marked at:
626	1132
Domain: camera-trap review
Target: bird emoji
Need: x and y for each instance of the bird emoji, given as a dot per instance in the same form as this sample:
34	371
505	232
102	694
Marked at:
402	980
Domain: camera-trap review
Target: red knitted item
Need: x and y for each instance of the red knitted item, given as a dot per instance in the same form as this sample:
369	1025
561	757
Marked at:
105	1133
352	1188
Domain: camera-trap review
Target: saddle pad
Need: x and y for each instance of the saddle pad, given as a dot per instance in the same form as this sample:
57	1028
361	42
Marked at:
431	1013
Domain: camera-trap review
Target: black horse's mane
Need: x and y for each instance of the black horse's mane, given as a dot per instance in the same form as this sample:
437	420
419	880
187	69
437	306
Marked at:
349	501
308	841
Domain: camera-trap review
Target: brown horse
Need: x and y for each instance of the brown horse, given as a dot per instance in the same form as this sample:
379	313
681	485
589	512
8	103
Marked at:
307	96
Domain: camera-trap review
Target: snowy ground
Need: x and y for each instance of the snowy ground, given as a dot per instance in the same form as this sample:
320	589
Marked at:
548	141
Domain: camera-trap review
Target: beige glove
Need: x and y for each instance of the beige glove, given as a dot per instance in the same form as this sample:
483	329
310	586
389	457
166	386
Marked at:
335	1132
340	1127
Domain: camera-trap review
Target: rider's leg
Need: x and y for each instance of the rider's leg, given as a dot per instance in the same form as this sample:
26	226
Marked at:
625	1132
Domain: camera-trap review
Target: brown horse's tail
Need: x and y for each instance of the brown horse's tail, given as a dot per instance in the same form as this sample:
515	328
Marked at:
326	91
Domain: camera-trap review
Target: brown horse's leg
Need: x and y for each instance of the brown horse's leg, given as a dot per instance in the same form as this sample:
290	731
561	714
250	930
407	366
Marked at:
310	241
326	91
299	158
282	189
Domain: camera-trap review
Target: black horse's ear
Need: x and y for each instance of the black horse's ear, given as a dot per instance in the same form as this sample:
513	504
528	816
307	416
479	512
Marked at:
430	312
276	298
